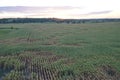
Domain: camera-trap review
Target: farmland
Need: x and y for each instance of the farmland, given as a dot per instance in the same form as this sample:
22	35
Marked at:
51	51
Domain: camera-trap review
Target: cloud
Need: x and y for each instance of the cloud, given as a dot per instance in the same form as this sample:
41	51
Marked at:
100	12
24	9
91	13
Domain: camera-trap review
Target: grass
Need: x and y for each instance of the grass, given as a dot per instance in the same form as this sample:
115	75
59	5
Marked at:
84	47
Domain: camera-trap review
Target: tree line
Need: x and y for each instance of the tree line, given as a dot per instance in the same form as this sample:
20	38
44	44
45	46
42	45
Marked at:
55	20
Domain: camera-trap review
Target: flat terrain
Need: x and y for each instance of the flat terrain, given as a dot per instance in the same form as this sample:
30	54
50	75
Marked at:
51	51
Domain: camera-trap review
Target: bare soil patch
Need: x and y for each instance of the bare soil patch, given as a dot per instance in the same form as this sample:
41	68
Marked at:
18	40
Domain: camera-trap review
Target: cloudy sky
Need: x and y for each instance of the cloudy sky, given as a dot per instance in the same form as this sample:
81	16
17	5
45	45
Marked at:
76	9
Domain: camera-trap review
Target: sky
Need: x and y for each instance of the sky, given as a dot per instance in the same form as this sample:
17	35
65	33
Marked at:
77	9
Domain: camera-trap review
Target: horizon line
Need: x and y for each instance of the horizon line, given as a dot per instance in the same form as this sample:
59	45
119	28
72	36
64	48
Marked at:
54	18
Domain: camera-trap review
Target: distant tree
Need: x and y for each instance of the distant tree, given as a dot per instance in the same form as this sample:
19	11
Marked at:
12	27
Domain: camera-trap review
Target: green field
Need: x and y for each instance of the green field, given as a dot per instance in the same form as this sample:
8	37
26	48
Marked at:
36	51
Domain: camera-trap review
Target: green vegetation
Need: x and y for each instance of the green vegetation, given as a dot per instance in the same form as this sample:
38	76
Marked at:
51	51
